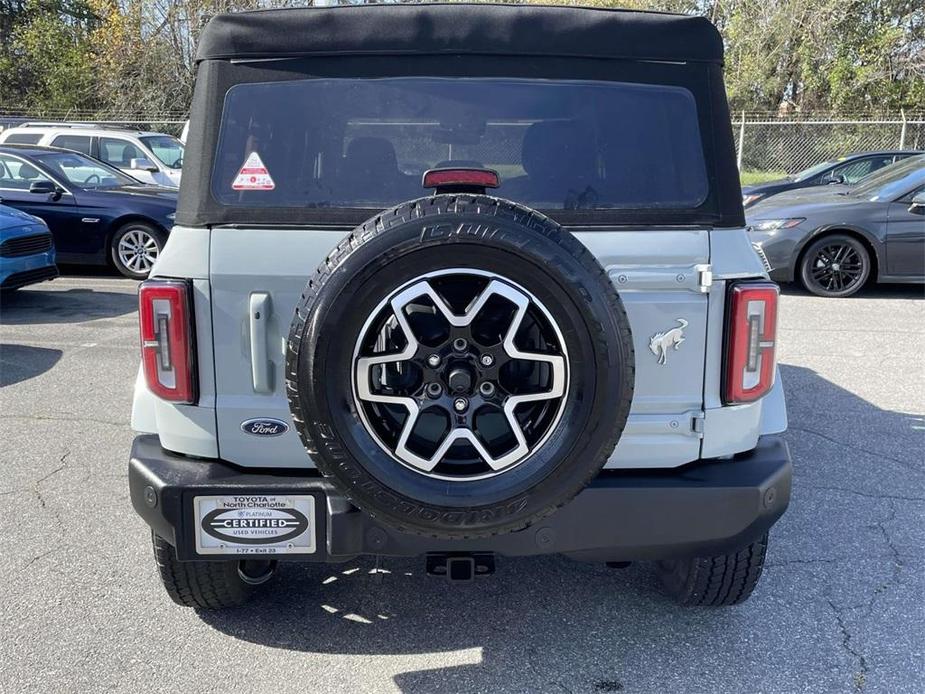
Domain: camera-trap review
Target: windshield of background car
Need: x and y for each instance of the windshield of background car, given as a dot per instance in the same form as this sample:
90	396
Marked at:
83	172
813	171
893	181
168	150
365	143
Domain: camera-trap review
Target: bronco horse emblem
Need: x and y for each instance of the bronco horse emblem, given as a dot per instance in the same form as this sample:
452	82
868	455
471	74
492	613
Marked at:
659	343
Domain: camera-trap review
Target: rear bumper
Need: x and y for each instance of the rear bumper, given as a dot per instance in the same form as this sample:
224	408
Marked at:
20	272
702	509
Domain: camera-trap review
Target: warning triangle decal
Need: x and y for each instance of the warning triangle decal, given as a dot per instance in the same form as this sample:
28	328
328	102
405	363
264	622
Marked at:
253	175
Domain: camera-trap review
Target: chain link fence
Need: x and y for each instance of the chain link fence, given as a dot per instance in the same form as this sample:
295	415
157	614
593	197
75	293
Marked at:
170	122
768	145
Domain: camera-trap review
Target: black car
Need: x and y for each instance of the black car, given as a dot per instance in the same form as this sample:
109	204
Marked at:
97	214
835	239
849	169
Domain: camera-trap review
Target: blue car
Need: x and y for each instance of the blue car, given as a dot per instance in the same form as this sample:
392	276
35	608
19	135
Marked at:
96	213
27	250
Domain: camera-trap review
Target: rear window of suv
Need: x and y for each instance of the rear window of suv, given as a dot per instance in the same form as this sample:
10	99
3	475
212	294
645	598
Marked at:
365	143
23	138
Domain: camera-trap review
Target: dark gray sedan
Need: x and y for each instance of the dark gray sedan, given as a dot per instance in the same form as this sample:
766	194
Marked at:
834	239
848	169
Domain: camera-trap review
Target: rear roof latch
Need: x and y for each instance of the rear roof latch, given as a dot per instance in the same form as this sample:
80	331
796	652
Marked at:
704	277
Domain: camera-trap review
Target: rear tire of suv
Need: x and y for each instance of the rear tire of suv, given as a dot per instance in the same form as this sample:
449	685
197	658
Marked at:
208	585
135	247
726	579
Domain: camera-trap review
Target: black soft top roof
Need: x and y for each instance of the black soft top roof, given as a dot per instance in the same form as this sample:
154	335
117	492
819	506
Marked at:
460	28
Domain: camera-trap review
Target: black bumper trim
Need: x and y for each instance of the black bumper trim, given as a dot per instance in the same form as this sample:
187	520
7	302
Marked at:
703	509
27	277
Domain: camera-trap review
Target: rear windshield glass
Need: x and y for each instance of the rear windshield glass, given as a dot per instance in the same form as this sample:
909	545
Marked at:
23	138
365	143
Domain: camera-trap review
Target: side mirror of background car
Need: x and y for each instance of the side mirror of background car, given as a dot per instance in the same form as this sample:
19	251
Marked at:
918	203
834	179
142	165
45	188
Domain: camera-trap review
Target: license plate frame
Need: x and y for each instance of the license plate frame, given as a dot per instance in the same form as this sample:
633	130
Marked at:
255	524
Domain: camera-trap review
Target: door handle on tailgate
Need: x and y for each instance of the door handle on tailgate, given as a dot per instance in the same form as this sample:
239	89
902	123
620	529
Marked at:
261	366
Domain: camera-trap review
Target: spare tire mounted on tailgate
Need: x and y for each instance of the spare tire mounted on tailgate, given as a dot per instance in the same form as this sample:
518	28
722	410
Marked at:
460	366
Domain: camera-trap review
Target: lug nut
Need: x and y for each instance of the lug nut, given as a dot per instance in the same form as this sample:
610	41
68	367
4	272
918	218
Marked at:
433	361
460	344
433	390
486	360
460	404
487	389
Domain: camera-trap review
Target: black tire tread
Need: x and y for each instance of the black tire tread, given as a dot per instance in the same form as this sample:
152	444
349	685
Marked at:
726	579
209	585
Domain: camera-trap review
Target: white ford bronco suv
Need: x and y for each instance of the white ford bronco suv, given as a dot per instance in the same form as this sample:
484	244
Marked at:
458	282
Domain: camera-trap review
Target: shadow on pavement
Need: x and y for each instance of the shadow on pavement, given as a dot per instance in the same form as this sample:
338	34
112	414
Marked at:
550	624
831	414
21	362
89	271
531	615
36	305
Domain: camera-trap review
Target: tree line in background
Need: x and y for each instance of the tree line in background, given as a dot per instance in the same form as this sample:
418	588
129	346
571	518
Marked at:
137	56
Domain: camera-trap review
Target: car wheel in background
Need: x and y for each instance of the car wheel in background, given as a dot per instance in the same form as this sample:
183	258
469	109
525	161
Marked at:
835	266
134	249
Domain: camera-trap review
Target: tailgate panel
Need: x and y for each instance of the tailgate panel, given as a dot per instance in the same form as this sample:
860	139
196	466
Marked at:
276	262
655	271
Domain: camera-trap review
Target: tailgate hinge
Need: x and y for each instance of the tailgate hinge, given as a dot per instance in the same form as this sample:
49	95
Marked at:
697	421
704	277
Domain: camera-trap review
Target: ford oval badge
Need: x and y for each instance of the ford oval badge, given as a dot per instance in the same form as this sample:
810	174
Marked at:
264	426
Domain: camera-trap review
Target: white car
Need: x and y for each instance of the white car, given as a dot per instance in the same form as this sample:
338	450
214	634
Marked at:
147	156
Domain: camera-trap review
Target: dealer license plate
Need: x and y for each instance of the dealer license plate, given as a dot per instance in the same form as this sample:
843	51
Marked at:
254	524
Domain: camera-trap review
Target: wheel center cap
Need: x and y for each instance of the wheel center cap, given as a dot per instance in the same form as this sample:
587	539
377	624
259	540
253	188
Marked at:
836	266
460	380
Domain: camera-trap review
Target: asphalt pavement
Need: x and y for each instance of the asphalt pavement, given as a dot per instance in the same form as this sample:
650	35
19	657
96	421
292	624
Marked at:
840	607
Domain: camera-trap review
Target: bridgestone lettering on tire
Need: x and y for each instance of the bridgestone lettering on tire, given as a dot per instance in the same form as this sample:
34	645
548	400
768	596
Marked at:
460	366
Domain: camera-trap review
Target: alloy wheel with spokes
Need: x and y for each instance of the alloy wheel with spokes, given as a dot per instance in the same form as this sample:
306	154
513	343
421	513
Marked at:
460	374
136	247
835	266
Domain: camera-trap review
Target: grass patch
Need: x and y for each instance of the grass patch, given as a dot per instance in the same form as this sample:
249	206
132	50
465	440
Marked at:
750	178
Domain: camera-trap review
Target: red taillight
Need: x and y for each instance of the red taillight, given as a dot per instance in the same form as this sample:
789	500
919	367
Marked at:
167	339
477	178
751	330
